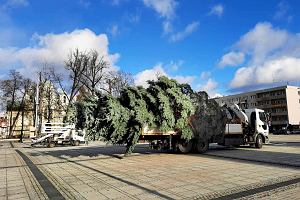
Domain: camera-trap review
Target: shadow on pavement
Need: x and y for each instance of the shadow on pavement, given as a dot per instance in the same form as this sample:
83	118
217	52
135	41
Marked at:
262	157
97	151
242	153
283	143
238	155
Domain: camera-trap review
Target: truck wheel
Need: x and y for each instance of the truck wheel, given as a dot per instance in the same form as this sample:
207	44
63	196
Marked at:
259	142
202	146
51	144
185	146
76	143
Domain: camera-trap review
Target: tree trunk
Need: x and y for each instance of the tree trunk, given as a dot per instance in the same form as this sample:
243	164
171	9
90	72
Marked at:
10	124
11	115
18	113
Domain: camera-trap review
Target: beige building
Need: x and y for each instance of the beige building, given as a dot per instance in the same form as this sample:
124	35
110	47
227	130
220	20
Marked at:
51	108
3	127
283	103
29	121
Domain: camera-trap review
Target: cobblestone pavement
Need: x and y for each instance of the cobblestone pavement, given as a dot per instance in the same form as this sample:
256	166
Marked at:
97	172
282	150
16	180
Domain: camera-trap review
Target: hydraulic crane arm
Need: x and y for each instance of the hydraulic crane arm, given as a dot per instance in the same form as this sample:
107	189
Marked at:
240	113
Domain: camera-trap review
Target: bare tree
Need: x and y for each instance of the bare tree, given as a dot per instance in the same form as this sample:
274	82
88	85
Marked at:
28	91
11	93
118	80
76	65
94	72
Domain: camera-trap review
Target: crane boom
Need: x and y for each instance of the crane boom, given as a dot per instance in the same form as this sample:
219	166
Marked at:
240	113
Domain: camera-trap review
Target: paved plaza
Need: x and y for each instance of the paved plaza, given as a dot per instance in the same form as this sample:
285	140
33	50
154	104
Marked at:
98	172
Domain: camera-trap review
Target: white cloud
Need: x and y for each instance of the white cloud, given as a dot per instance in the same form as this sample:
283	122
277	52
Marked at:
205	75
184	79
210	87
275	70
274	57
217	10
153	73
135	17
189	29
113	30
174	65
243	77
54	49
262	40
283	12
232	59
14	3
167	27
165	8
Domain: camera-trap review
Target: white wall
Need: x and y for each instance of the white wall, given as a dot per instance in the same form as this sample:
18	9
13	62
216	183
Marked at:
293	105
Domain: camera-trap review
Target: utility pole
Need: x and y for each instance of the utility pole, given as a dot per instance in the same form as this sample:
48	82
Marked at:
36	125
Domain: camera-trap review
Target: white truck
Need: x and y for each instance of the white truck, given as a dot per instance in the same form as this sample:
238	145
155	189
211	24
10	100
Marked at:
253	128
52	134
249	126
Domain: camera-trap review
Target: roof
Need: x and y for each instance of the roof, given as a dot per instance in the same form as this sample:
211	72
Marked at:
262	90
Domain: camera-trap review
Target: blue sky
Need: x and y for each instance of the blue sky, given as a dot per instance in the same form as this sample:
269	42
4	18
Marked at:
220	46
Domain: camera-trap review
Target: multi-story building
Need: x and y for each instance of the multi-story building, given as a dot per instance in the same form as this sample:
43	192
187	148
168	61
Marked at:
51	108
283	104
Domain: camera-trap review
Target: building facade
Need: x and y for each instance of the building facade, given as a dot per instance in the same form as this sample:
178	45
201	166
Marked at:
51	107
3	127
283	104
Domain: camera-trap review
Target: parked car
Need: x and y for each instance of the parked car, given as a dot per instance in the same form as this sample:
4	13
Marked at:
295	132
281	132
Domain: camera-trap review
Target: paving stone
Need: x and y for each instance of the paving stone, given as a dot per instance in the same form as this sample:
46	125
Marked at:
147	196
18	196
93	195
144	176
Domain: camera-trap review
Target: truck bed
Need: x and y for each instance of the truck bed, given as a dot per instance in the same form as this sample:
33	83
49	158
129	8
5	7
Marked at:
148	131
233	129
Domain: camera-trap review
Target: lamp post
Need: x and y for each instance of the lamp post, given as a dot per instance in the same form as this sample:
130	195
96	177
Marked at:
36	109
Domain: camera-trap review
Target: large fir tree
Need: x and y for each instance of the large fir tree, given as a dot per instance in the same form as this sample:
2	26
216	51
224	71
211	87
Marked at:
165	104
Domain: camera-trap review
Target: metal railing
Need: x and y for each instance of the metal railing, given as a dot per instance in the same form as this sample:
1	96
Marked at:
47	128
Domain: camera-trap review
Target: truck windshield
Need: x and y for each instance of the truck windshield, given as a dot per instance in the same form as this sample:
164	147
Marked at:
262	116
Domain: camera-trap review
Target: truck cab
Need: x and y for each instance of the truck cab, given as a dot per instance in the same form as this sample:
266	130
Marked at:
258	120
